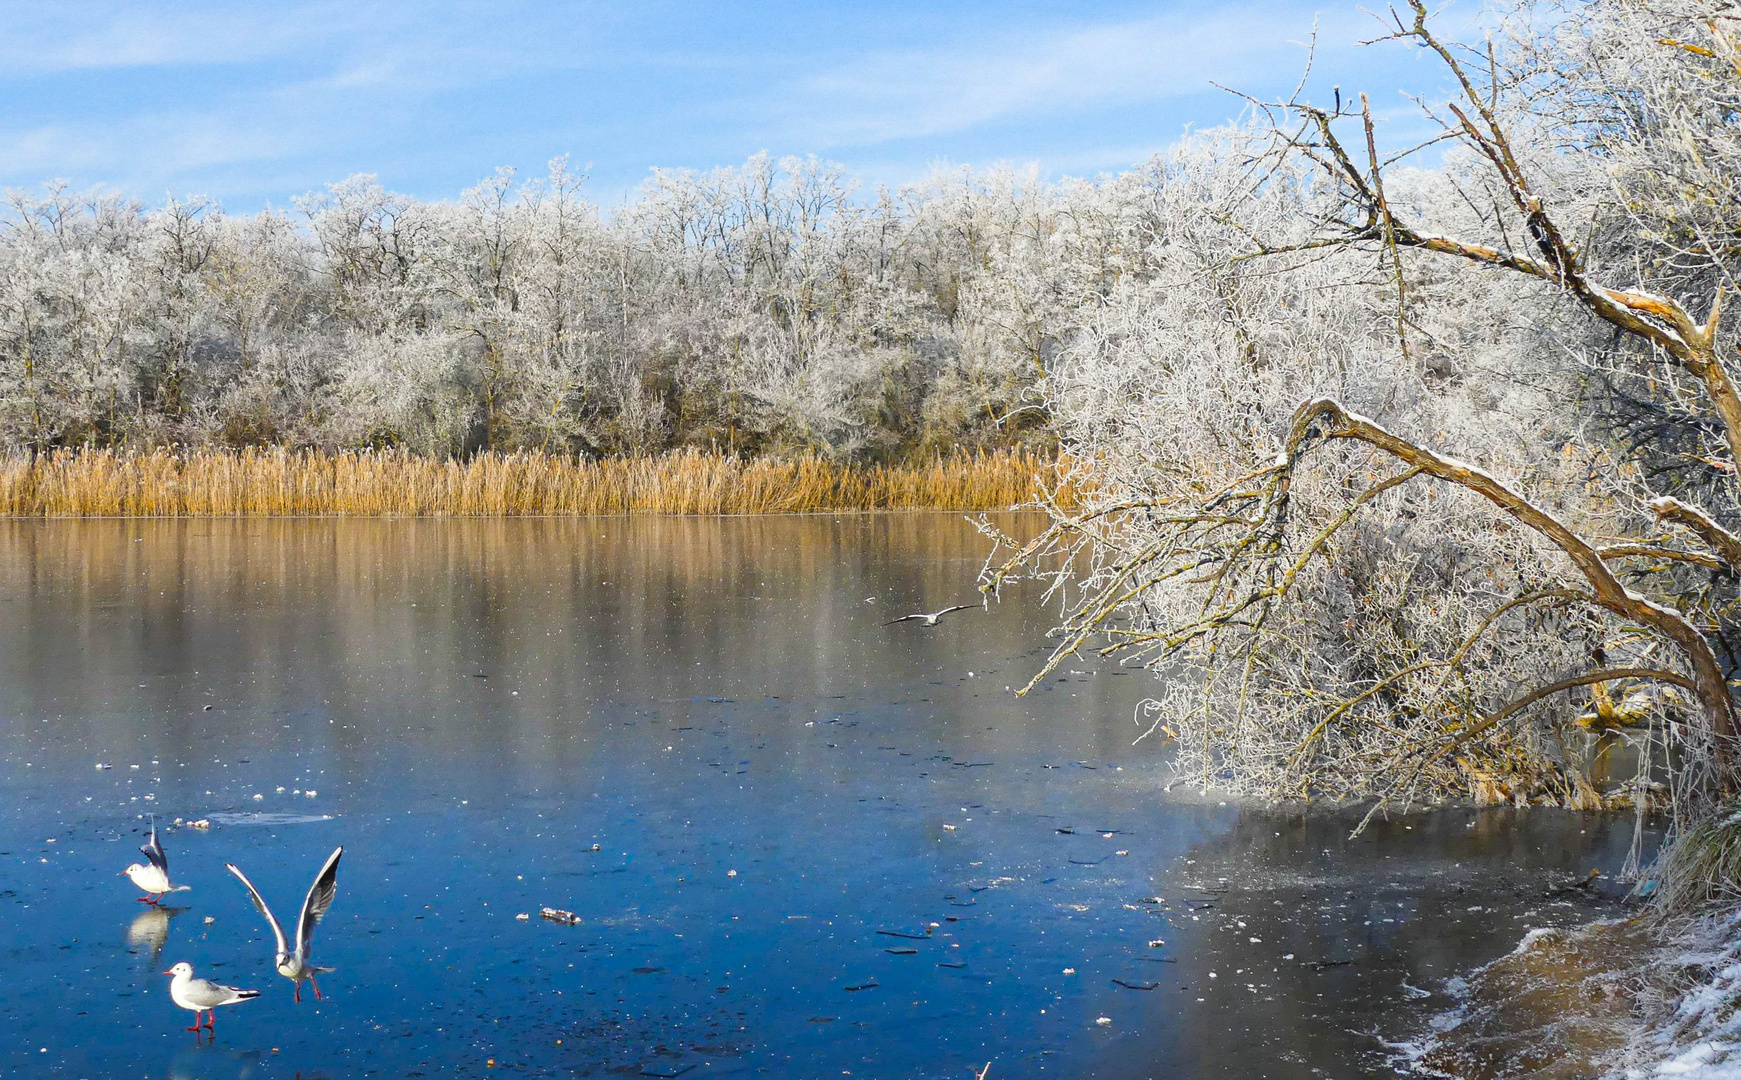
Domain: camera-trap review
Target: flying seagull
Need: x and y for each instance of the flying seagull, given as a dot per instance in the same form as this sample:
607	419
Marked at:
931	619
152	876
202	995
293	963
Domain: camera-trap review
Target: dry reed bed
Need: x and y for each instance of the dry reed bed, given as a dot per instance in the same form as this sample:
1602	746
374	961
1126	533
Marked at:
304	483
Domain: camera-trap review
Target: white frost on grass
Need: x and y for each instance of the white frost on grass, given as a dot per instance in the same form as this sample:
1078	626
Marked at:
1699	1038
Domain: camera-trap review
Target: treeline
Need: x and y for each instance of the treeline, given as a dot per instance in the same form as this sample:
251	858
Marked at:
767	309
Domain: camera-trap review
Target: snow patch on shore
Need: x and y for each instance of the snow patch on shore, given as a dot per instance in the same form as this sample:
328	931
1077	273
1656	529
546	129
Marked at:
1696	1036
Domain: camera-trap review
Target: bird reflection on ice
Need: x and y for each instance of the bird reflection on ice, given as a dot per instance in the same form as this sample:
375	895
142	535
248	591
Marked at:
150	930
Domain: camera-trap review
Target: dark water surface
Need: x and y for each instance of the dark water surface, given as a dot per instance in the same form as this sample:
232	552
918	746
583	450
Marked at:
772	780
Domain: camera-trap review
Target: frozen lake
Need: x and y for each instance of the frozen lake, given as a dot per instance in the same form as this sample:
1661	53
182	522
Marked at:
801	844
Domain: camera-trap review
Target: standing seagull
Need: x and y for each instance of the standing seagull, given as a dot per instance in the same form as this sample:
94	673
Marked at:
202	995
293	963
152	877
931	619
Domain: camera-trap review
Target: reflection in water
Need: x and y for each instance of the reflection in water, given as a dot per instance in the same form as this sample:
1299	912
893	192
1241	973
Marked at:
150	930
1312	936
799	843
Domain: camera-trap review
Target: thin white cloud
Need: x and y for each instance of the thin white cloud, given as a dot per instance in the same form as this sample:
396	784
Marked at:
456	41
43	38
141	155
325	80
260	101
944	91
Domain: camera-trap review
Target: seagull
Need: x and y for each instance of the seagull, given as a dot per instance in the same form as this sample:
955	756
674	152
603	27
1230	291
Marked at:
931	619
152	877
293	963
202	995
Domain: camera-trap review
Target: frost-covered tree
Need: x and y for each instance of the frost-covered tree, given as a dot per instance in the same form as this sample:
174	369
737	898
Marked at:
761	308
1421	480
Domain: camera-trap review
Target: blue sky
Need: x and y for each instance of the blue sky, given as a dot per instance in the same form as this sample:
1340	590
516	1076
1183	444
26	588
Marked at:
254	102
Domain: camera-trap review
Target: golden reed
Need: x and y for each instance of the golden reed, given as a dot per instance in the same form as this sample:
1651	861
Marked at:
308	483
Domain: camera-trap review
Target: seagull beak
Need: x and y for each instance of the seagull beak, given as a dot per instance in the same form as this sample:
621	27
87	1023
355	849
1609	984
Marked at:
170	972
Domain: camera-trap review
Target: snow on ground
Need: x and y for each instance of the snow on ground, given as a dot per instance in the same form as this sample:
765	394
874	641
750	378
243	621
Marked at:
1697	1034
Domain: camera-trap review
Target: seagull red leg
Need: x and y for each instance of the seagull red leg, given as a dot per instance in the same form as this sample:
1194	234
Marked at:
316	986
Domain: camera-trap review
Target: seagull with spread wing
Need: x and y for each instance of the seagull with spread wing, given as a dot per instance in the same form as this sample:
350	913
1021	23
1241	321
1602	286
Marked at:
152	876
292	963
931	619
